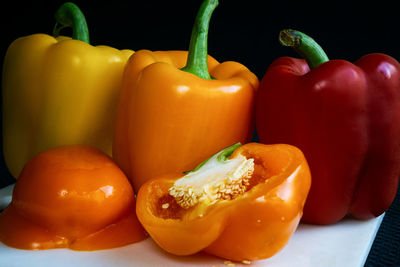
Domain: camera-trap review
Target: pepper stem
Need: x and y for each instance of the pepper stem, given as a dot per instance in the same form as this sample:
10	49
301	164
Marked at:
221	156
69	15
197	57
305	46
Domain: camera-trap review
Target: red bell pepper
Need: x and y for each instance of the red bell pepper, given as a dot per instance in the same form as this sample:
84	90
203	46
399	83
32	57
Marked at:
344	117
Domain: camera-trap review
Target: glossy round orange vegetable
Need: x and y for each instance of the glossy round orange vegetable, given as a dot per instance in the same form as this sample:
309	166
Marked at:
71	196
253	225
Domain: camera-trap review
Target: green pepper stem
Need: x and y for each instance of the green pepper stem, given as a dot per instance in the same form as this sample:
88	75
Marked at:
221	156
197	57
69	15
305	46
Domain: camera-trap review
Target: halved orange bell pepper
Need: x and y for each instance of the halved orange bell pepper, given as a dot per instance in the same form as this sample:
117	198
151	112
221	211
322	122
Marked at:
245	207
167	111
71	197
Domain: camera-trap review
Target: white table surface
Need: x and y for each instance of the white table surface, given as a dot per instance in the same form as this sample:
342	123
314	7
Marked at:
345	244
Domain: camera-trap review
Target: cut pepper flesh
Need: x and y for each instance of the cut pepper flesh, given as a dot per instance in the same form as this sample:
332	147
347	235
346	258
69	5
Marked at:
214	181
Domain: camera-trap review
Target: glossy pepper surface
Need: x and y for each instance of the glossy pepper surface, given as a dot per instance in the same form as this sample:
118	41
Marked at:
244	203
59	91
172	115
71	197
345	118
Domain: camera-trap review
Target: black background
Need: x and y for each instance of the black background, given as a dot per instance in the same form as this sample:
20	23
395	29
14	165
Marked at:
243	31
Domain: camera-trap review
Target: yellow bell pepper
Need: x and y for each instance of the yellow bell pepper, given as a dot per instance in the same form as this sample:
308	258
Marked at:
59	91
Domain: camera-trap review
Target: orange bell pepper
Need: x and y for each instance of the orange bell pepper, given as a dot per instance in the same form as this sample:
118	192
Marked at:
71	197
166	112
245	207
